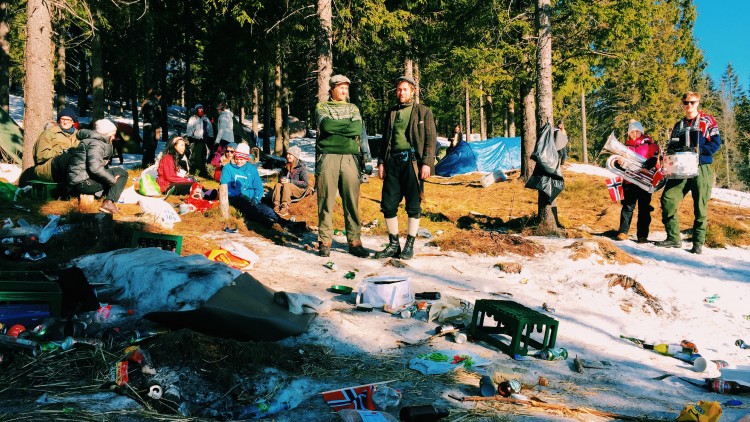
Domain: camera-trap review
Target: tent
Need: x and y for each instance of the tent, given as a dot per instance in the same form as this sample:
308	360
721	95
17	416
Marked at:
486	156
11	139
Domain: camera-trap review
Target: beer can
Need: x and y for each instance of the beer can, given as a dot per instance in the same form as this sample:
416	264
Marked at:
443	328
459	338
557	353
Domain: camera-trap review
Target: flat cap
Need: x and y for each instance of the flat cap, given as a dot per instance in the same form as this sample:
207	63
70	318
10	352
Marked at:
339	79
406	79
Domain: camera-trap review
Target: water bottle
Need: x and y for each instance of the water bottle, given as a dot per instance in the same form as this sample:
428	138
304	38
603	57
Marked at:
424	413
262	409
356	415
112	313
385	397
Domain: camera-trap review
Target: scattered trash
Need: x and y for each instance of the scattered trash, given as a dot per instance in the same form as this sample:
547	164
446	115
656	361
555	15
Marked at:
350	275
427	296
733	403
508	388
557	353
524	281
394	291
703	411
459	338
711	299
444	361
486	386
385	397
395	263
340	289
331	265
364	307
262	409
452	310
424	233
594	364
741	344
230	230
547	308
339	232
422	413
509	267
439	232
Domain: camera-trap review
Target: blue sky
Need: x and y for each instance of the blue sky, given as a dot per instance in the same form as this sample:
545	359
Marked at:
722	32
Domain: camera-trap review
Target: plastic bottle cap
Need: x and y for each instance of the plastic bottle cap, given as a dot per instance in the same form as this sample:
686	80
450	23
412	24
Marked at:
700	364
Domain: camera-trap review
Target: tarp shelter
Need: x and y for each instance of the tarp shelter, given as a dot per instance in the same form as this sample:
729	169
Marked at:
11	139
244	311
486	156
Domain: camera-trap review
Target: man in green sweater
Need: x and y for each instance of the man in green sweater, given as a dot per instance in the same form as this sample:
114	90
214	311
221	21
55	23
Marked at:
406	159
337	166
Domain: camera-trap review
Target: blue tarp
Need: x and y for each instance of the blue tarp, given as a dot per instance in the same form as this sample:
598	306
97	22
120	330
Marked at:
487	156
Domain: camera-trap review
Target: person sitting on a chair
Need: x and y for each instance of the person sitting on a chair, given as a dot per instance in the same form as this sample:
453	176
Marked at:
293	182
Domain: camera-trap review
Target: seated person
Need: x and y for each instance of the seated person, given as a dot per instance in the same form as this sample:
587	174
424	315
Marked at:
242	188
293	182
226	158
169	168
51	149
87	169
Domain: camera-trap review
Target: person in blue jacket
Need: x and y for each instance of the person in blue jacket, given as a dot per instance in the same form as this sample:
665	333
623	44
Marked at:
244	189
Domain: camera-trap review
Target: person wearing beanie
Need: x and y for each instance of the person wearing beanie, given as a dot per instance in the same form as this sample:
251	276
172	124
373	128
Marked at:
241	187
406	160
88	172
226	158
293	182
337	151
50	149
200	133
642	144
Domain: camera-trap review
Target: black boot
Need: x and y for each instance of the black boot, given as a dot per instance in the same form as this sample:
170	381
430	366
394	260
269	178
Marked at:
393	248
557	220
408	252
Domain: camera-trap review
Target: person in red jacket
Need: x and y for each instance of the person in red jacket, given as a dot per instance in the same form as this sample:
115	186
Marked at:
643	145
169	169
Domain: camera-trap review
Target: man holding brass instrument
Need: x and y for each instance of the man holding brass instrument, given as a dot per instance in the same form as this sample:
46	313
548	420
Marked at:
695	134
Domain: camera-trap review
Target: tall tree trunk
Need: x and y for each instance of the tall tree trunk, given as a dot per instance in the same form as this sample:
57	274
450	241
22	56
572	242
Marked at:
285	119
325	49
38	86
83	83
467	107
512	117
482	122
278	148
4	56
61	87
97	76
544	95
255	108
417	77
505	123
584	140
489	115
528	111
266	112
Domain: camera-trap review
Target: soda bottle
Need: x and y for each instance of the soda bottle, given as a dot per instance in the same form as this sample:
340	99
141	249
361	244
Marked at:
727	387
668	349
385	397
112	313
557	353
423	413
355	415
262	409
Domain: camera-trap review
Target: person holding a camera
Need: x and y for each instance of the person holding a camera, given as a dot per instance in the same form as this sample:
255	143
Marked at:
337	167
293	182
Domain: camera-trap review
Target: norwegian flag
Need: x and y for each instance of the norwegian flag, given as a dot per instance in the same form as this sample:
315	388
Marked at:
359	397
614	185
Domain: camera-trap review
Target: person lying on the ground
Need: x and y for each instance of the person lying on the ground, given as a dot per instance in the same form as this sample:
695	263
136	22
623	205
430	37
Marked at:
51	149
226	158
293	182
87	170
242	188
169	169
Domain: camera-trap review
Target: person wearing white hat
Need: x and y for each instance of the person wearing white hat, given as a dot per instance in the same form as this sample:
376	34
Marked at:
87	170
241	187
293	182
643	145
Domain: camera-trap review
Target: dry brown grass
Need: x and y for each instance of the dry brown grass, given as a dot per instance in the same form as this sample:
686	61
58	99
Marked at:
603	248
472	218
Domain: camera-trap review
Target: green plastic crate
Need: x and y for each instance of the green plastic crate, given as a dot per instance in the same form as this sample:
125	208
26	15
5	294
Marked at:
43	190
30	286
168	242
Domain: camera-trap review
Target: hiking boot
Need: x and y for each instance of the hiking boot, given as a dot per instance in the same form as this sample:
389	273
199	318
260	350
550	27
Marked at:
109	207
276	208
642	240
408	251
284	211
393	248
669	244
356	249
622	236
697	249
324	250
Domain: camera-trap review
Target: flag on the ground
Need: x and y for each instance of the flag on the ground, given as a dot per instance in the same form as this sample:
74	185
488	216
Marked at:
614	185
350	398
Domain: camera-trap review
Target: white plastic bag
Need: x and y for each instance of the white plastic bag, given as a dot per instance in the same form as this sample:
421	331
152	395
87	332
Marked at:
241	251
160	210
393	291
49	230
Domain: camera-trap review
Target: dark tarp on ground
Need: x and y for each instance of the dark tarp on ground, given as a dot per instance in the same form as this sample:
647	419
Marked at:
487	156
11	139
243	311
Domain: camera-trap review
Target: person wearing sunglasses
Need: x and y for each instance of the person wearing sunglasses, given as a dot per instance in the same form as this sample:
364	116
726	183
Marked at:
709	142
226	158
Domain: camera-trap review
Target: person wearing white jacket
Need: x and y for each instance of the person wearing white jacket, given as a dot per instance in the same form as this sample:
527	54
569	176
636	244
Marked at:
224	125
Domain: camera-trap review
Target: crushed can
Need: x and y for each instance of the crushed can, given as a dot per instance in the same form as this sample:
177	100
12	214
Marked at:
556	353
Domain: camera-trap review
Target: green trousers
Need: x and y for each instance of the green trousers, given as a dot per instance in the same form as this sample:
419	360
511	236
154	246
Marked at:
337	173
675	190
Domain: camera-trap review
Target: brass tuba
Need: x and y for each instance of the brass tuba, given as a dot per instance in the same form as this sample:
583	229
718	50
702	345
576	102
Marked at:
626	163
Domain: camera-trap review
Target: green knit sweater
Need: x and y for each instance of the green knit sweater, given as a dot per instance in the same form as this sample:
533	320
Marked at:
339	127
